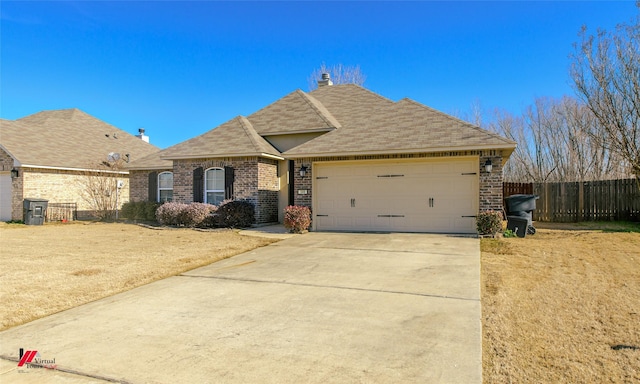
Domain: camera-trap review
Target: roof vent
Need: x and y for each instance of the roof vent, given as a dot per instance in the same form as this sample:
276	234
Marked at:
326	80
142	136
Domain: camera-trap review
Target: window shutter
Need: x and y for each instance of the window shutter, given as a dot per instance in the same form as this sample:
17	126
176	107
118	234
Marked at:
198	185
153	186
229	178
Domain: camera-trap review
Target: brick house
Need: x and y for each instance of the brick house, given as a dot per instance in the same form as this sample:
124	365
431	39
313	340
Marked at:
47	154
359	160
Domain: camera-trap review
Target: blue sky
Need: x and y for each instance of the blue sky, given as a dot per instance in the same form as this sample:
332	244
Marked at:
179	69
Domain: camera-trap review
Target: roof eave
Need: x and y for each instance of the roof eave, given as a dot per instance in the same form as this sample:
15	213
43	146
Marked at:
509	148
72	169
150	167
219	155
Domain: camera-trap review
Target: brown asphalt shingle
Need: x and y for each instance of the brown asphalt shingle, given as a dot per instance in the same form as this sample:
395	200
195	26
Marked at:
378	125
237	137
357	121
295	112
152	161
67	138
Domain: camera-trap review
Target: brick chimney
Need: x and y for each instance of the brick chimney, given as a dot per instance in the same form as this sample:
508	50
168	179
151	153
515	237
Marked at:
325	81
142	136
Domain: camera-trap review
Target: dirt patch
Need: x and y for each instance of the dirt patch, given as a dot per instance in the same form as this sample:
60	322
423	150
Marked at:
50	268
562	305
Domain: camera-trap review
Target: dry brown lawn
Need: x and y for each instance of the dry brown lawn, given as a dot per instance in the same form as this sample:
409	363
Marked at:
562	306
50	268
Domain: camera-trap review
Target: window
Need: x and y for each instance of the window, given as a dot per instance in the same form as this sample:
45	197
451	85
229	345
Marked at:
214	186
165	187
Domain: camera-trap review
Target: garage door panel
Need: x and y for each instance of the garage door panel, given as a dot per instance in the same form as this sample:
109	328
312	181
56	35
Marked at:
327	205
350	223
418	196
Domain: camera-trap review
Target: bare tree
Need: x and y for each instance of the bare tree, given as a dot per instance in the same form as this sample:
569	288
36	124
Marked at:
606	74
517	169
475	115
99	188
557	141
340	74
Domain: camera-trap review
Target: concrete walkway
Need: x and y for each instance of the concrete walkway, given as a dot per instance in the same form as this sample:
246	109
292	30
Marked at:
314	308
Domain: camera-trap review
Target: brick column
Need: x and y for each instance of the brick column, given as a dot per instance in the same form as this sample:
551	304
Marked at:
302	184
491	183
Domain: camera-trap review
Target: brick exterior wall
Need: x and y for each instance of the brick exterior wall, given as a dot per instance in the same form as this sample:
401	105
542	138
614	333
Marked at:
17	196
6	162
256	180
268	187
490	185
246	176
57	186
139	184
303	183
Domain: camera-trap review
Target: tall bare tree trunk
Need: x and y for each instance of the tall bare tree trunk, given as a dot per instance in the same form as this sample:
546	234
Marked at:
606	74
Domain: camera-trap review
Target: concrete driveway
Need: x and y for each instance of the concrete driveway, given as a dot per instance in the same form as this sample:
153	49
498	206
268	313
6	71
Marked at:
315	308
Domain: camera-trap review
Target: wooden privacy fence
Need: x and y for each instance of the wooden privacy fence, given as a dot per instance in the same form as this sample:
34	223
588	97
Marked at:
583	201
509	189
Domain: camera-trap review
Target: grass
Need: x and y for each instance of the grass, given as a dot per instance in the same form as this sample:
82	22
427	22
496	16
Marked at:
50	268
562	306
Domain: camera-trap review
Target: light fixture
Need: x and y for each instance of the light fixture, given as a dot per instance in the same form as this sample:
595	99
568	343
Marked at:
14	173
488	166
303	170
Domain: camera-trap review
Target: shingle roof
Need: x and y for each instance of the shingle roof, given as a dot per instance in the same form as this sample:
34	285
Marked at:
152	161
67	138
237	137
382	126
351	104
357	121
293	113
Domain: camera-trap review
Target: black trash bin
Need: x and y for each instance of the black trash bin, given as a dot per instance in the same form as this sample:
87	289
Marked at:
34	211
521	203
519	213
519	225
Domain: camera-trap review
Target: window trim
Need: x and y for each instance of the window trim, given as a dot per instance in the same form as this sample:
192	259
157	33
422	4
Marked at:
165	189
214	190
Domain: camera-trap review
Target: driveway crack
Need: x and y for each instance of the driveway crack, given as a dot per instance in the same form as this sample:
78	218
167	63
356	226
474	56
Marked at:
69	371
333	287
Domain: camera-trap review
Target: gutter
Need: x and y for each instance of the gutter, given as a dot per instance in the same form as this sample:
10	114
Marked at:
295	155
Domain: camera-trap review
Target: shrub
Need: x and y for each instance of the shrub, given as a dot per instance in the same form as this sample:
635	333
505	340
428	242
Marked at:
297	218
234	214
187	215
168	213
148	210
139	210
489	222
195	213
128	210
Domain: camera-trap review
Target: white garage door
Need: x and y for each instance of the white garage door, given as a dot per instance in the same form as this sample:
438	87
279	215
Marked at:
5	196
438	195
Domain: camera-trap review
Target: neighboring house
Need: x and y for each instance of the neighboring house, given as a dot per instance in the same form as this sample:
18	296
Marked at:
47	154
361	162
